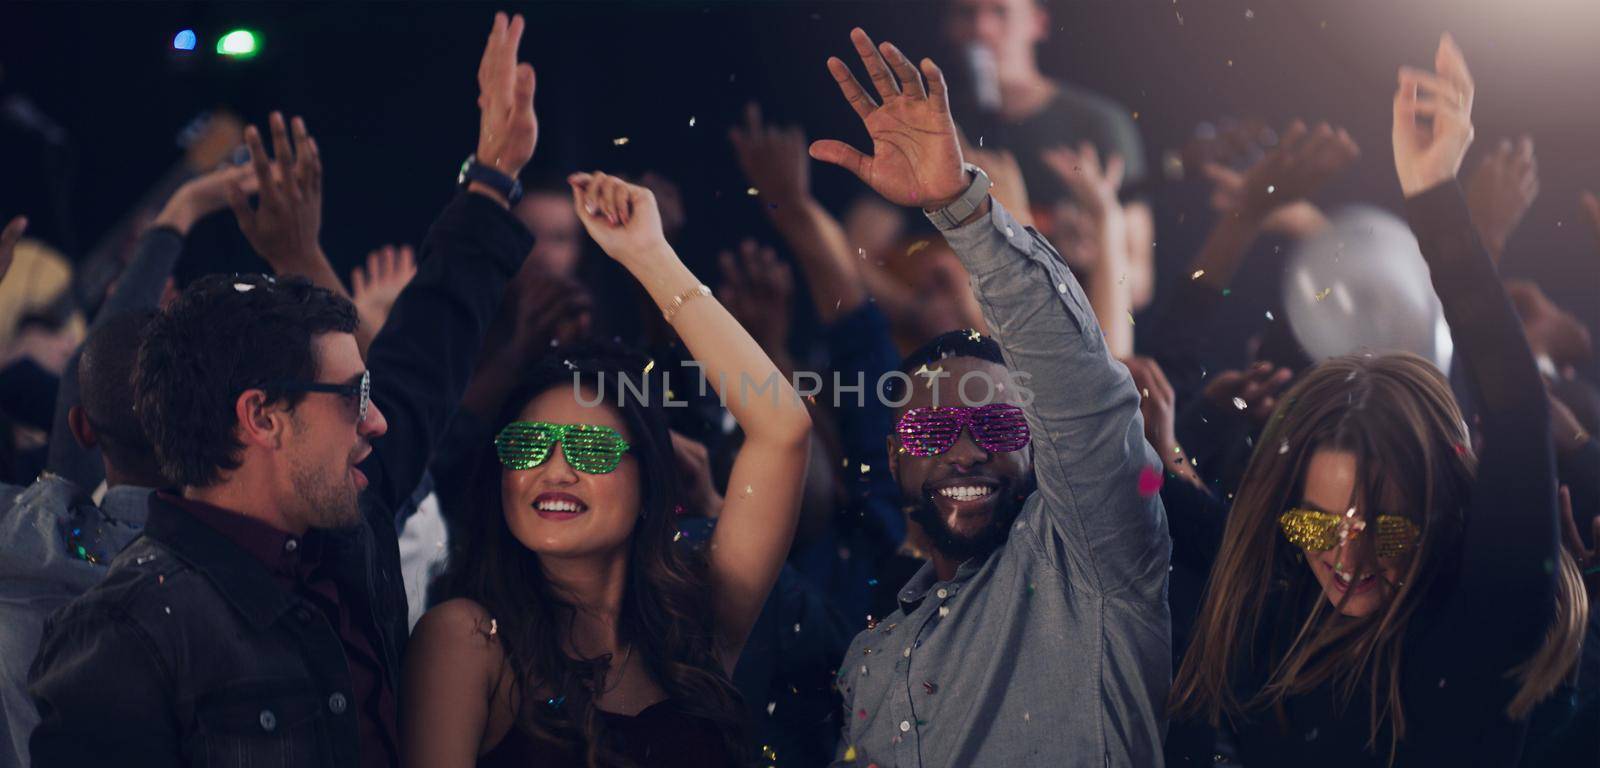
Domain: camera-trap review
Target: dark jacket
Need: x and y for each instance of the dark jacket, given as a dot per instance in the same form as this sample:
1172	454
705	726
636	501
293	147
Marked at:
189	653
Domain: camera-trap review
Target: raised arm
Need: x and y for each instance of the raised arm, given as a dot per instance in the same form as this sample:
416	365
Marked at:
1095	190
1088	446
139	287
1511	529
423	356
774	161
763	501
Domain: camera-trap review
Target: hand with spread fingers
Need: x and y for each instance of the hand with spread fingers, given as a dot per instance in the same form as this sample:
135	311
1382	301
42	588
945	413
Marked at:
285	223
373	289
8	242
757	289
1432	120
508	130
1500	192
915	160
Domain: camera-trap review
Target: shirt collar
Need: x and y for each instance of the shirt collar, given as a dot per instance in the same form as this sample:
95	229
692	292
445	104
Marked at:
927	578
284	554
127	504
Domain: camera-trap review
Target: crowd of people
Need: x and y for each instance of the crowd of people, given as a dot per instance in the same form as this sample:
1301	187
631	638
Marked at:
438	517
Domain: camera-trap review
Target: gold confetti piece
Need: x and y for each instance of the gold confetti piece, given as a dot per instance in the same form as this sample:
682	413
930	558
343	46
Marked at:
865	468
1199	273
973	335
844	463
749	490
619	141
1130	319
944	610
752	191
649	366
1323	294
917	246
850	754
678	535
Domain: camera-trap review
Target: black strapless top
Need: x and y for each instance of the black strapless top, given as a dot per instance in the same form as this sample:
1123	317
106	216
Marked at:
660	735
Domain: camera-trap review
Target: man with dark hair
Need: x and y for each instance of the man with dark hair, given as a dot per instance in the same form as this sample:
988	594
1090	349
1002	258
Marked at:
1039	632
261	617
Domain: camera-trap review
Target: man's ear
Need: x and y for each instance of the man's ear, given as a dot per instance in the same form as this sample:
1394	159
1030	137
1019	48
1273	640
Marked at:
82	430
892	442
259	423
1041	22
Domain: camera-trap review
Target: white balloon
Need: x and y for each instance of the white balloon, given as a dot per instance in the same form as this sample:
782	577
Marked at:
1362	286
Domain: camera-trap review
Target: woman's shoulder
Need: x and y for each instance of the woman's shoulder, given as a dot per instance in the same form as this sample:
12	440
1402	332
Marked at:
461	629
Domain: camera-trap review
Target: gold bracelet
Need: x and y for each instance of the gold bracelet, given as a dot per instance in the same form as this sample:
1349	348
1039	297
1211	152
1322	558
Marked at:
684	298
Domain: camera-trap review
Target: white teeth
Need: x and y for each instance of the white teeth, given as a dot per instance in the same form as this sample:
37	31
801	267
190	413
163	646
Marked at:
966	492
558	506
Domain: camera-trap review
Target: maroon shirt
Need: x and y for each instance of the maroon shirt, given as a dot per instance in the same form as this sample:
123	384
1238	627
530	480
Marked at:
296	564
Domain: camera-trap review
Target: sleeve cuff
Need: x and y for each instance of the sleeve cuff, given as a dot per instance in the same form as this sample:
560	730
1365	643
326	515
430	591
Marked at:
981	243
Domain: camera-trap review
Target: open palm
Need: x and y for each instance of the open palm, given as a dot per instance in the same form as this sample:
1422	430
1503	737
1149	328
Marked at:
915	158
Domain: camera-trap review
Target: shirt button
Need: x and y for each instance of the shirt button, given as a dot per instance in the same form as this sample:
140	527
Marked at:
337	703
943	593
291	545
269	721
905	725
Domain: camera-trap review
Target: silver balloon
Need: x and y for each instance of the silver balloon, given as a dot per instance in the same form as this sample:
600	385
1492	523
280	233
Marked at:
1362	286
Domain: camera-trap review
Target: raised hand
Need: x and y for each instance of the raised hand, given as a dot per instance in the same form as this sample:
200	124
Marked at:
1254	391
507	127
1094	187
1501	190
1551	331
773	159
1303	161
621	217
757	289
915	158
1432	120
8	242
284	225
204	195
373	289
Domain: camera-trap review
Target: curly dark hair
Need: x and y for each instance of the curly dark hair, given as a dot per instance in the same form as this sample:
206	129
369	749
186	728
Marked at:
226	334
665	616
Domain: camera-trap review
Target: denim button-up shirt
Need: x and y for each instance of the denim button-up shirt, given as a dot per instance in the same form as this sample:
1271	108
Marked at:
41	569
1053	650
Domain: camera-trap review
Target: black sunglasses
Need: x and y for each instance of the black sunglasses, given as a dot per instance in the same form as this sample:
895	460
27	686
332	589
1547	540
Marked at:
360	392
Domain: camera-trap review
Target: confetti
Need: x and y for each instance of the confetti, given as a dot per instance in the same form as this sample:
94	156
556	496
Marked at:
865	468
1130	319
494	627
917	246
619	141
1283	448
749	490
1238	402
850	751
862	252
1323	294
1249	14
973	335
649	367
691	121
1270	188
1149	482
243	287
169	610
771	705
1199	273
752	191
677	536
796	627
1269	315
944	610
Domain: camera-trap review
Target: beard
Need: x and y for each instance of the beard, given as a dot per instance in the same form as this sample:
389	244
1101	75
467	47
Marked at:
962	547
328	499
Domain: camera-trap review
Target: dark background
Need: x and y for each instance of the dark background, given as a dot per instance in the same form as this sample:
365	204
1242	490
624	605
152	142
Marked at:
389	91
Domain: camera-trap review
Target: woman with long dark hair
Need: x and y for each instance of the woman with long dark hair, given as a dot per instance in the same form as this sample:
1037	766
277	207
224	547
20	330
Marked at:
583	632
1384	594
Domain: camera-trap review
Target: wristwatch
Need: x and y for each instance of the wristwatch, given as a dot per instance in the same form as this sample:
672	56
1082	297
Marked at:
472	170
951	216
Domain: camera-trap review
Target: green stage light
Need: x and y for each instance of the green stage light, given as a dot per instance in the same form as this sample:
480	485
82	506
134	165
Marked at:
240	43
